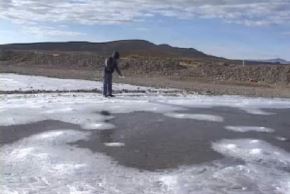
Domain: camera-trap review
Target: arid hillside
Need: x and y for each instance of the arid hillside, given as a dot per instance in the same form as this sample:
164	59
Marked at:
141	60
126	47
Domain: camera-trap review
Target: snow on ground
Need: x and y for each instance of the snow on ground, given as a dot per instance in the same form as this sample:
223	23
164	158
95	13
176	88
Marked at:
46	163
252	105
15	82
82	108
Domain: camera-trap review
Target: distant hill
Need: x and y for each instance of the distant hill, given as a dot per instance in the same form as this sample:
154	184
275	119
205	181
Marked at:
271	61
277	61
125	47
141	59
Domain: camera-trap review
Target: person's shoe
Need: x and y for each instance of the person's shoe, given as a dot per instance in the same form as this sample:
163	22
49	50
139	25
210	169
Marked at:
111	95
106	96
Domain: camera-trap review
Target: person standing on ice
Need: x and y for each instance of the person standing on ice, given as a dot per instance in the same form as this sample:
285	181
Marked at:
111	64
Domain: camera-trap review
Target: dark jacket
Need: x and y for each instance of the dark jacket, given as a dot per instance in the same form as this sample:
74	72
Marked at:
113	67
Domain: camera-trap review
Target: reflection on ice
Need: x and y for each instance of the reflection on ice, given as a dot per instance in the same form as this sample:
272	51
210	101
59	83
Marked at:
249	128
50	134
254	151
22	153
202	117
69	169
47	163
97	126
114	144
281	138
84	109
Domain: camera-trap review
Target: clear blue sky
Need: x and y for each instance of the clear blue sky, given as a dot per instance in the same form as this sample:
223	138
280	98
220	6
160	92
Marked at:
246	29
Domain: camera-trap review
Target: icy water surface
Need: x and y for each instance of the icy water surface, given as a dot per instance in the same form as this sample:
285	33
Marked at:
83	143
152	141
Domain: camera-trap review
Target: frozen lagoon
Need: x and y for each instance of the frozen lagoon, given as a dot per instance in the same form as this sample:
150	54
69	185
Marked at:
84	143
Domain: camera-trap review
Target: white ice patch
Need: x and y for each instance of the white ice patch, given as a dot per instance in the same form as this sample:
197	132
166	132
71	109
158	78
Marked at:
16	82
256	111
22	153
57	137
46	163
244	129
253	151
256	151
169	182
97	126
81	109
67	169
255	106
51	134
264	165
59	110
114	144
254	141
201	117
281	138
231	146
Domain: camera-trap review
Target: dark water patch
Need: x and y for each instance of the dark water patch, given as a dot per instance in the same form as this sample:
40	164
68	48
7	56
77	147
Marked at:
10	134
279	121
154	141
105	113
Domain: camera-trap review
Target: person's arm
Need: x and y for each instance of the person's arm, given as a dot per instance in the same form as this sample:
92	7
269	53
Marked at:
105	65
118	70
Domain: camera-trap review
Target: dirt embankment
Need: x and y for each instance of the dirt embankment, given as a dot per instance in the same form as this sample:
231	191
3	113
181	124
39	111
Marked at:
207	75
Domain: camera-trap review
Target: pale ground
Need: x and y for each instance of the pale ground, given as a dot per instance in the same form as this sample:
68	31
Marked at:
139	143
157	81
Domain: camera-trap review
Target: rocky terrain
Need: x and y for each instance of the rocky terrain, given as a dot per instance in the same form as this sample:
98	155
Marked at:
142	60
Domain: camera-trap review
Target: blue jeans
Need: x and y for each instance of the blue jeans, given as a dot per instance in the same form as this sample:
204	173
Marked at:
107	84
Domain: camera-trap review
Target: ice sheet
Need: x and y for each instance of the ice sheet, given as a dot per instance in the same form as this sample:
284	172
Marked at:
85	109
46	163
254	151
251	105
16	82
65	169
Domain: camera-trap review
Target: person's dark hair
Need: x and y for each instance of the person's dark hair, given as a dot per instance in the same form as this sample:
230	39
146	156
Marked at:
116	55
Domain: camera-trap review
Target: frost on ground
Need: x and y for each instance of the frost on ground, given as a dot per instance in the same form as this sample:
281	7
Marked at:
44	163
47	163
15	82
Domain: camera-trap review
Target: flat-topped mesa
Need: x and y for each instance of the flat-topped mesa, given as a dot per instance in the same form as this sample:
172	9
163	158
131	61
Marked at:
126	47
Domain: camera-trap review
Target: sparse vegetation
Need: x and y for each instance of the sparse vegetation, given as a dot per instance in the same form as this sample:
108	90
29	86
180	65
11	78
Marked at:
144	63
